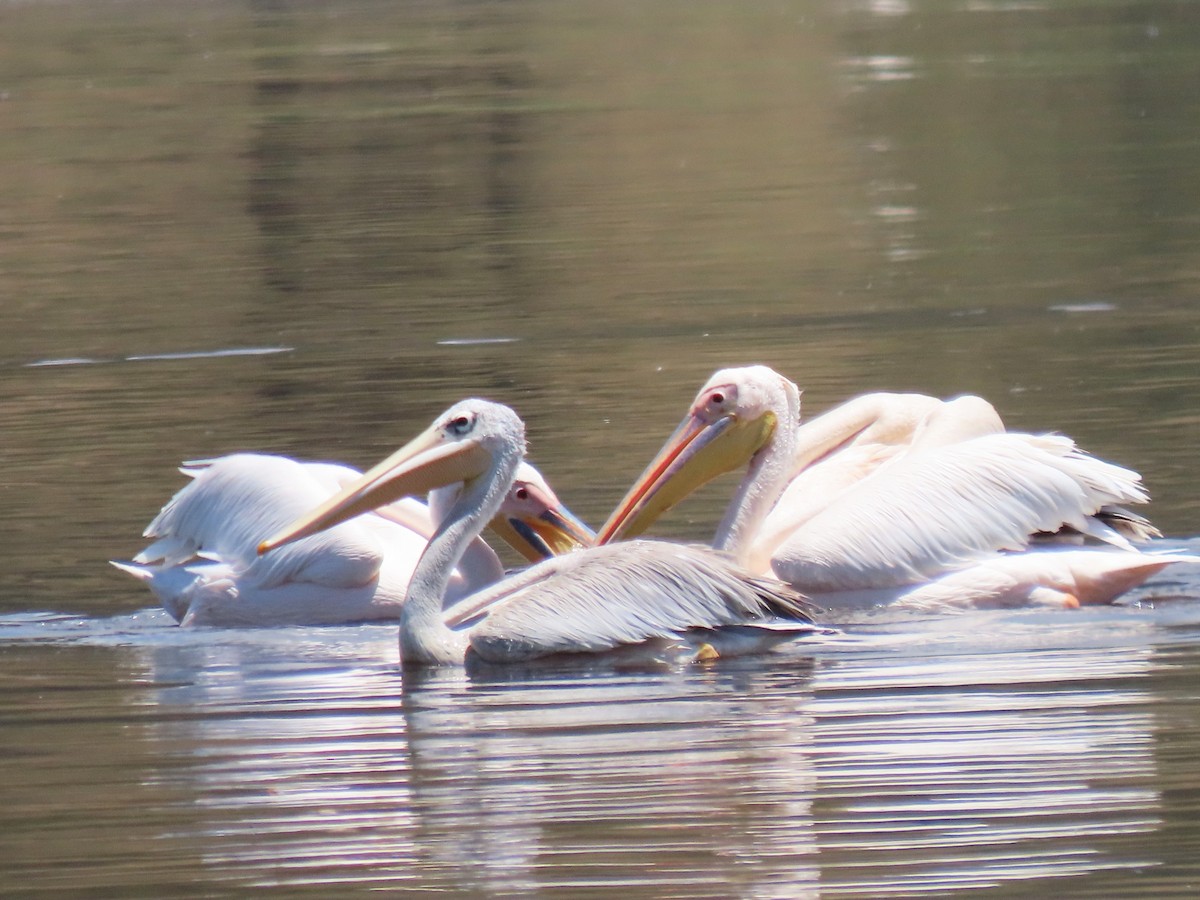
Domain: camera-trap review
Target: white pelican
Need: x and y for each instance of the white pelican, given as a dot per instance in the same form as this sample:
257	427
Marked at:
896	498
204	569
640	594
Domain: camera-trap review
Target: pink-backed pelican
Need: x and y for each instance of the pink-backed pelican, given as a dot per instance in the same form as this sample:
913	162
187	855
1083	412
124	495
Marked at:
898	499
203	567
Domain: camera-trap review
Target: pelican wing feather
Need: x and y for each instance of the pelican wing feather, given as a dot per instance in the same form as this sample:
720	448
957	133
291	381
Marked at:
927	513
625	594
232	501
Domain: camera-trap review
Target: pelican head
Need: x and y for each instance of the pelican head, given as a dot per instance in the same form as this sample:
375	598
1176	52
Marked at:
535	522
460	447
731	420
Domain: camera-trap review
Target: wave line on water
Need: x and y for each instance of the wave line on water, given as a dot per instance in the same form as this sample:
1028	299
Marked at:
66	361
211	354
475	342
148	357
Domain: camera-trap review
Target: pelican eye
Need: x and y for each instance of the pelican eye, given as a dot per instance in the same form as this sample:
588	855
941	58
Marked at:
460	425
722	398
522	493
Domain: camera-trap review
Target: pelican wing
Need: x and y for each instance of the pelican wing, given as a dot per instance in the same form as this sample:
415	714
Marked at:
629	593
810	492
881	427
927	513
233	501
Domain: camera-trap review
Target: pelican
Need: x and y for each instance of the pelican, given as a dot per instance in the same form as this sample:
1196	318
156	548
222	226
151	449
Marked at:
203	567
639	594
897	499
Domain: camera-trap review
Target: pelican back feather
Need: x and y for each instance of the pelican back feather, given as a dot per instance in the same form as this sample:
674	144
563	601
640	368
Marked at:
629	593
233	501
928	513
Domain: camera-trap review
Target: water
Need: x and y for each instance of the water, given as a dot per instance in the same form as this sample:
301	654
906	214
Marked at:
888	763
308	228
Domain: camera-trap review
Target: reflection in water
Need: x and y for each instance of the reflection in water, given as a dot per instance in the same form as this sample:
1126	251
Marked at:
679	783
551	782
1021	766
878	68
897	764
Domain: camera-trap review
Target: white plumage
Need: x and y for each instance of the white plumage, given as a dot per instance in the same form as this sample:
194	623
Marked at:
898	498
591	601
203	567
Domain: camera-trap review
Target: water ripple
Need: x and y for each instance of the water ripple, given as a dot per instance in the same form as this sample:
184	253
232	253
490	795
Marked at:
148	357
900	760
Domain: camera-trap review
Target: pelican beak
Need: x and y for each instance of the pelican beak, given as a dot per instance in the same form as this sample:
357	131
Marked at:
429	461
553	532
701	448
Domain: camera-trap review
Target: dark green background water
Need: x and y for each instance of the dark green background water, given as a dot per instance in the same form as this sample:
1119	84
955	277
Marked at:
583	209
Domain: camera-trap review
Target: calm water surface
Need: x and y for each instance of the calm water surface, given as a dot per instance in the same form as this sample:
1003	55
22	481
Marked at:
308	227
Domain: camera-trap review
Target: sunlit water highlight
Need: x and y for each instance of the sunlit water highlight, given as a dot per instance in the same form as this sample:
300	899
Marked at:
178	357
903	757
